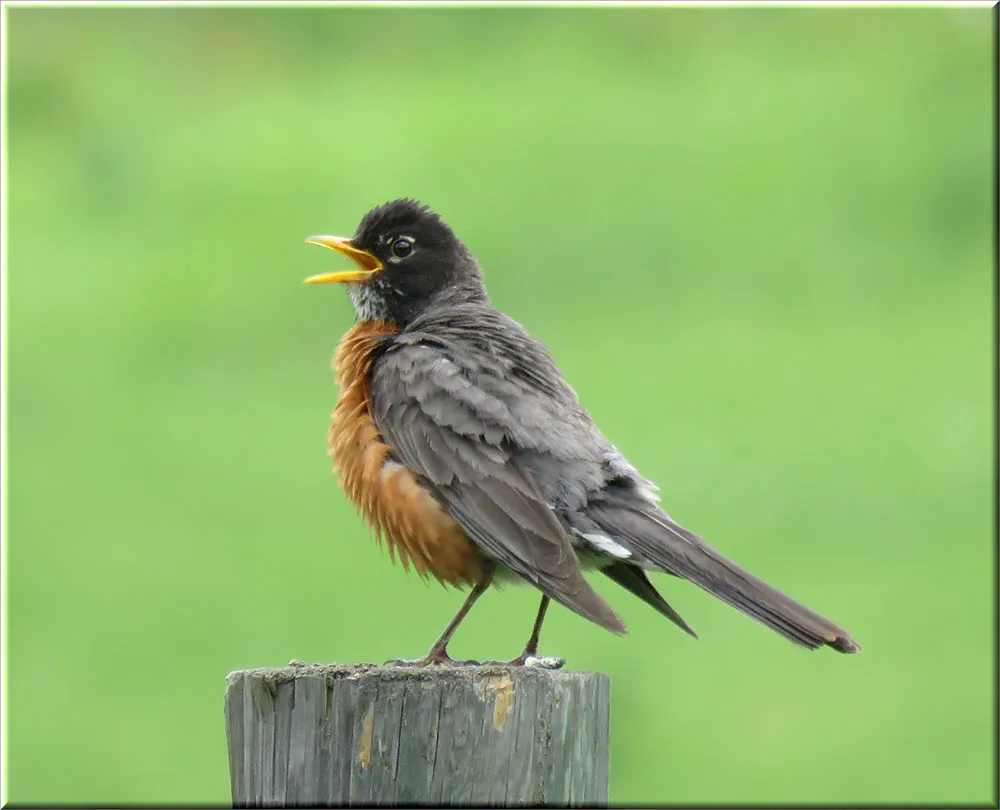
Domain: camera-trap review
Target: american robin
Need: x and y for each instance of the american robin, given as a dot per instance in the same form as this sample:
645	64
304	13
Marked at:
459	441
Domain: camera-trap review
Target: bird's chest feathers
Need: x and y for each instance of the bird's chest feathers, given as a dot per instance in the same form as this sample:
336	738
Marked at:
387	494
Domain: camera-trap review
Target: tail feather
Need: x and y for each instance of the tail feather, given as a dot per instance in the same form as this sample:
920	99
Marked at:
651	535
634	579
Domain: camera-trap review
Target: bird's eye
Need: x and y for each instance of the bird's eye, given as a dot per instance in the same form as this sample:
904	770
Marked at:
402	247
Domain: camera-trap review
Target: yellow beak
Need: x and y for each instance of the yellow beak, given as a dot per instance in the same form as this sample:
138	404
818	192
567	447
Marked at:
368	264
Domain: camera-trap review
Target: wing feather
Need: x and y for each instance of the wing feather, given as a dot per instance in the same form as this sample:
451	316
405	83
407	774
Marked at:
470	466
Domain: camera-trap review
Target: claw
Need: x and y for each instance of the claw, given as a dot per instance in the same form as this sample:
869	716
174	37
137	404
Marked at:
437	656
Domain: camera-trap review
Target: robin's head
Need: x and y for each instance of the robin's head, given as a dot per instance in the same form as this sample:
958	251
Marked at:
407	259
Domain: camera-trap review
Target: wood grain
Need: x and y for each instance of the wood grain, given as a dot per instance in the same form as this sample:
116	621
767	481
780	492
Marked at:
362	734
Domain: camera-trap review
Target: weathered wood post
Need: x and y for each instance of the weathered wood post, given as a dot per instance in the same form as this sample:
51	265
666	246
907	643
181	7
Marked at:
362	734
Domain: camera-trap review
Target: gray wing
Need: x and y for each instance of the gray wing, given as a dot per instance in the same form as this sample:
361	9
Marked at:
444	417
476	406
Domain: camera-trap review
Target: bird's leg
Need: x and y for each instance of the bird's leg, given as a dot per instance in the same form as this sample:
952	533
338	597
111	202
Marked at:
530	655
438	653
531	648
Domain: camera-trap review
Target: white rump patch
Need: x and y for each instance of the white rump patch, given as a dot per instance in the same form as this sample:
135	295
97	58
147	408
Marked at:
605	545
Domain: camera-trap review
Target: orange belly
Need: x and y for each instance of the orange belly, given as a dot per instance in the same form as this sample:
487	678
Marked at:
389	497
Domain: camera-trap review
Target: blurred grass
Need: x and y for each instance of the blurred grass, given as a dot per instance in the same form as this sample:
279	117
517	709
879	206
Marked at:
757	241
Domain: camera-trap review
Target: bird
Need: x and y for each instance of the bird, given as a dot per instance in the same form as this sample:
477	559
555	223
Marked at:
462	445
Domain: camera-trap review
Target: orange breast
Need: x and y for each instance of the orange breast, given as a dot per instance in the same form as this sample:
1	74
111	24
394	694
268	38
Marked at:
389	497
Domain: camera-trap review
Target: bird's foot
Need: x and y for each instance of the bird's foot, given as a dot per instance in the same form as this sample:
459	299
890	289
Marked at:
437	656
545	662
530	659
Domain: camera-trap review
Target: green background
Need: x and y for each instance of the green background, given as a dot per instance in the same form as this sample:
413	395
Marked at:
758	243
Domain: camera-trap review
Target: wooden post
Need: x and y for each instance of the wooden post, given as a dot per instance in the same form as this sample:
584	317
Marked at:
362	734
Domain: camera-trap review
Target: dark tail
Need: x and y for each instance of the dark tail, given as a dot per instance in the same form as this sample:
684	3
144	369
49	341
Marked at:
649	534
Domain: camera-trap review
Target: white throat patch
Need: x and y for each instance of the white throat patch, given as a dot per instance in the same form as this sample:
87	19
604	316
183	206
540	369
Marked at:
366	302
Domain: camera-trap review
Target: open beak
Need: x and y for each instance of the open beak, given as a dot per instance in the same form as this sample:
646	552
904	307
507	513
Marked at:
368	264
